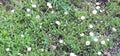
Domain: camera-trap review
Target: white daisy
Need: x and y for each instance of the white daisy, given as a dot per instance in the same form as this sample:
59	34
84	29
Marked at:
114	29
49	4
58	22
90	26
61	41
28	10
82	17
29	49
102	10
97	7
12	10
87	42
94	11
19	54
7	49
52	11
103	42
108	39
95	39
65	13
82	34
99	53
42	50
73	54
34	5
98	3
37	16
22	35
91	34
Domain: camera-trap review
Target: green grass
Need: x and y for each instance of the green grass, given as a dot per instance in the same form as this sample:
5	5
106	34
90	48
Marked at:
41	33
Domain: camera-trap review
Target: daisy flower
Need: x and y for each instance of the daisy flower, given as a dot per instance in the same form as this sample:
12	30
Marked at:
82	34
73	54
29	49
97	7
37	16
28	10
90	26
82	17
22	35
95	39
94	11
99	53
12	10
65	12
34	5
49	4
114	29
61	41
58	22
103	42
7	49
91	34
98	3
87	43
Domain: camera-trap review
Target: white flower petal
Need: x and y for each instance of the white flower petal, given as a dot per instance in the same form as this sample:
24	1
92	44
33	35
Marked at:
58	22
94	11
91	34
99	53
7	49
29	48
82	17
34	5
73	54
61	41
87	42
28	10
103	42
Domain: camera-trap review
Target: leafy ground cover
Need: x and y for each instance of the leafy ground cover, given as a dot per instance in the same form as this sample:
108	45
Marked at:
59	28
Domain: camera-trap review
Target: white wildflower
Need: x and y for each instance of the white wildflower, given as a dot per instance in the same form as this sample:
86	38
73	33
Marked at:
52	11
82	17
42	50
90	26
7	49
58	22
102	10
108	39
114	29
22	35
19	54
28	10
34	5
61	41
94	11
95	39
103	42
65	13
98	3
49	4
97	7
73	54
29	49
87	42
12	10
91	34
37	16
99	53
82	34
